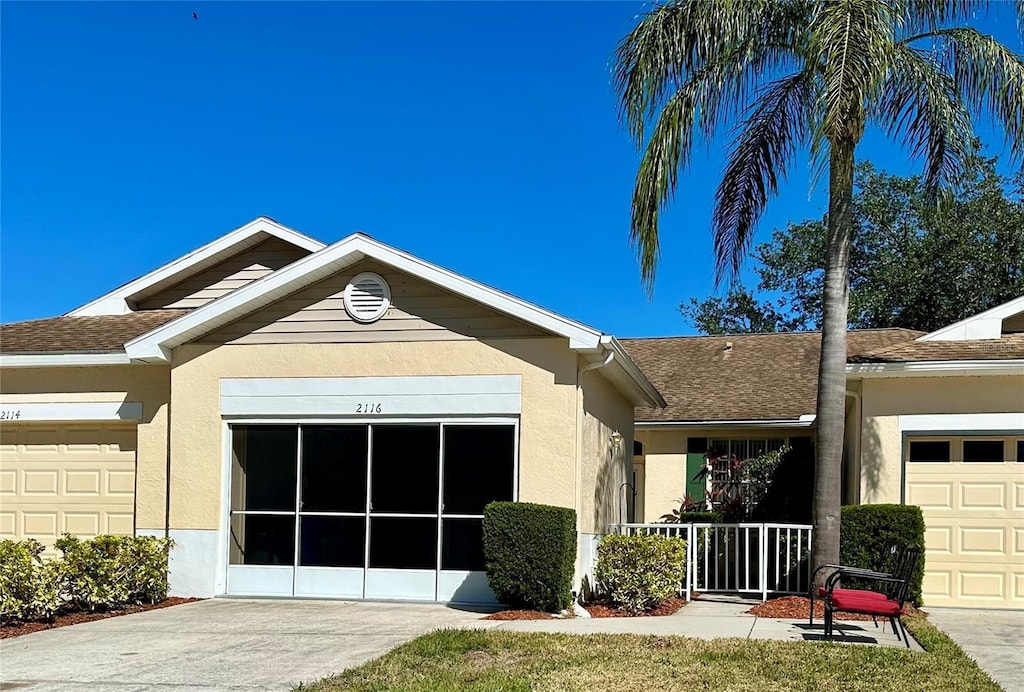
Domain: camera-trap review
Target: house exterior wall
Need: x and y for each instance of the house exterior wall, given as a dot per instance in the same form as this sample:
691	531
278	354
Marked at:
547	434
148	385
604	469
884	400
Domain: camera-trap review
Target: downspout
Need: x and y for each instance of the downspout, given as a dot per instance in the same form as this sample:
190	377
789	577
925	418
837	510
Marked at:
855	447
578	476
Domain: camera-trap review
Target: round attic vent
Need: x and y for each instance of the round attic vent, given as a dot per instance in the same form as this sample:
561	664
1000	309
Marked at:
367	297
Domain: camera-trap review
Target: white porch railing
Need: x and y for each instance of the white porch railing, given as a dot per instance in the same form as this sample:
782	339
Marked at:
759	558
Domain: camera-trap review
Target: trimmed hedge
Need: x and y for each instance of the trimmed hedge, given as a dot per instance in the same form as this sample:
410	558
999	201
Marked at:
530	553
103	573
866	531
640	571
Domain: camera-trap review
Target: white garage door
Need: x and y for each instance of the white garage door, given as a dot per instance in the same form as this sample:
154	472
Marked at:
74	478
971	490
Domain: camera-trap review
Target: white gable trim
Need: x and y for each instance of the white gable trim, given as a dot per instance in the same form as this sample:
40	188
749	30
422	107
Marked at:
116	302
155	346
985	325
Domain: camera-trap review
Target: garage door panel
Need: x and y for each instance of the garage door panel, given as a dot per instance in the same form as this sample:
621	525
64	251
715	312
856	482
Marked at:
930	495
984	540
982	585
938	539
78	479
980	495
1018	494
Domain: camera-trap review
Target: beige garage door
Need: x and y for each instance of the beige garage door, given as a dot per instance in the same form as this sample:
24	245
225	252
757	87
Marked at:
75	478
971	490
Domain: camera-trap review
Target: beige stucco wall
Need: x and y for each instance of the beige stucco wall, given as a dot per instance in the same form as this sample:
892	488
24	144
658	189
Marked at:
885	399
547	428
603	499
149	385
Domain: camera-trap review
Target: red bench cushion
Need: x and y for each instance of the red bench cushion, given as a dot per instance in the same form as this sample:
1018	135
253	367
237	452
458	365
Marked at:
853	603
854	592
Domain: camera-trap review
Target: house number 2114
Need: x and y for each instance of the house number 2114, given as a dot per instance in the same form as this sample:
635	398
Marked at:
373	407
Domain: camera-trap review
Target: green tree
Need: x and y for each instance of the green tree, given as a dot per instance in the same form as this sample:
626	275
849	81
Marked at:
911	265
789	75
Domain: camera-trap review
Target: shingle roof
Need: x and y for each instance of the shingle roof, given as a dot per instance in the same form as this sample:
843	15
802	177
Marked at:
762	377
95	334
1010	346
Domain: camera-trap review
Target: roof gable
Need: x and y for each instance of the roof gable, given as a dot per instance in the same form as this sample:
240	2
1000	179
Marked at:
418	311
156	346
984	325
204	259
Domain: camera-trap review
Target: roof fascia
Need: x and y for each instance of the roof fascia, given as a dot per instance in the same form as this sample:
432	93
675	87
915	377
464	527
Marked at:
805	421
942	368
116	302
51	360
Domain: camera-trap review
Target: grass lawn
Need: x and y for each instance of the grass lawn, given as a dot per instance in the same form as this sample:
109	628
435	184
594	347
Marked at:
493	660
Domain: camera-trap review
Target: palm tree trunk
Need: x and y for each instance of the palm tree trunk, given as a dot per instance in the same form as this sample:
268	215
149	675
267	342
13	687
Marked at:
830	418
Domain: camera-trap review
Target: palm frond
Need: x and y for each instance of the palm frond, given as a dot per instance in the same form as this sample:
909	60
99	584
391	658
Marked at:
729	43
850	44
921	107
989	75
778	122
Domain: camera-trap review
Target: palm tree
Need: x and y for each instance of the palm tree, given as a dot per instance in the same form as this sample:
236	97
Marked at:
803	75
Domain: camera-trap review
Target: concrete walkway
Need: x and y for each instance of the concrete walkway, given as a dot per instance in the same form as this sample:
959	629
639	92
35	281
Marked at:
993	638
717	617
220	644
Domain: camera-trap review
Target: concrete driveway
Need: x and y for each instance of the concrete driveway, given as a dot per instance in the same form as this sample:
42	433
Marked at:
221	644
993	638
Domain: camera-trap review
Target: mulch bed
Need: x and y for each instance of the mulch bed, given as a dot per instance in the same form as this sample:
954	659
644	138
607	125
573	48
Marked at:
796	607
603	610
519	615
16	628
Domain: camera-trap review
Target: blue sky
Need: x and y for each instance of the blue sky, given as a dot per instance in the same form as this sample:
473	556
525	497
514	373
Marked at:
480	136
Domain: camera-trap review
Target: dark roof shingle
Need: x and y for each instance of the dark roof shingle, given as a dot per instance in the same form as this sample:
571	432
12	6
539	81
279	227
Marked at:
762	377
1009	347
94	334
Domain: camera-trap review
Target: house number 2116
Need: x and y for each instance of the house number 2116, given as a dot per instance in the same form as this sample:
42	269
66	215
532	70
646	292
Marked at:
373	407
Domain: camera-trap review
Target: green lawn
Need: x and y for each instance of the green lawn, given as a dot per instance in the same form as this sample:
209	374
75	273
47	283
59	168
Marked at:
490	660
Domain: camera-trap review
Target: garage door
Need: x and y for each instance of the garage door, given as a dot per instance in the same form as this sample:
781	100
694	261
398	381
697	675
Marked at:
971	490
74	478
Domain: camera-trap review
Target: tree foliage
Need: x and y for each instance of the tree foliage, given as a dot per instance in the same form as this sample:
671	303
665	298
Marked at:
912	264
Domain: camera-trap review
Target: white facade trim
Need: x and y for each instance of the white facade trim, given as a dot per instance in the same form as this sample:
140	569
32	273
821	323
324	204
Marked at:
804	421
52	360
372	397
944	368
961	422
984	325
70	411
117	301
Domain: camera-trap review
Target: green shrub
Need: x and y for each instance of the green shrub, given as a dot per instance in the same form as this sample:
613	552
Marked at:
28	589
530	553
111	571
867	531
638	572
